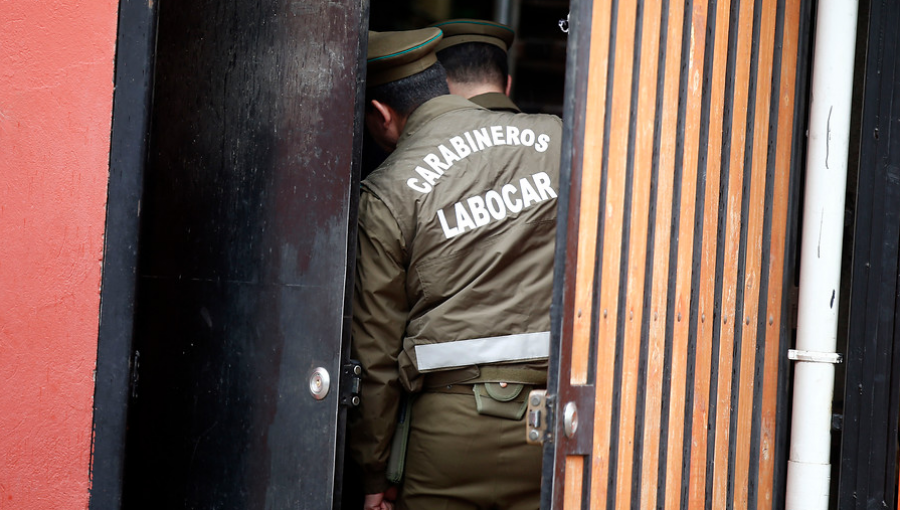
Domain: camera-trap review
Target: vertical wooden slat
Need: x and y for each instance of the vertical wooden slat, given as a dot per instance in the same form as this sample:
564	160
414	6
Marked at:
755	220
613	215
589	214
661	243
732	240
573	492
685	235
772	365
706	301
589	217
642	164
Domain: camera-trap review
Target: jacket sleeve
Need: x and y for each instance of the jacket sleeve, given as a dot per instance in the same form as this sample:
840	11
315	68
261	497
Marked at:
380	310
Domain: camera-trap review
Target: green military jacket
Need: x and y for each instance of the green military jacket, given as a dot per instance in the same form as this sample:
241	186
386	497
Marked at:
455	257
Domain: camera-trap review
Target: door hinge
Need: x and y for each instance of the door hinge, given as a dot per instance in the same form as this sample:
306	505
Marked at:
539	421
351	379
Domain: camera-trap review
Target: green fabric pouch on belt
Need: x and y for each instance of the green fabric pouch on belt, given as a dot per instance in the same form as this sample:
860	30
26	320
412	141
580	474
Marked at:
491	399
397	459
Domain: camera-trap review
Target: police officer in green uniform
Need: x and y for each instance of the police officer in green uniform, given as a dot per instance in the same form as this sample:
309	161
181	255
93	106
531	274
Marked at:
474	54
453	287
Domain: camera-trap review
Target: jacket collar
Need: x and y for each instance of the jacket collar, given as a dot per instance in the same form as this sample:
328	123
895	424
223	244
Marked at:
495	101
431	109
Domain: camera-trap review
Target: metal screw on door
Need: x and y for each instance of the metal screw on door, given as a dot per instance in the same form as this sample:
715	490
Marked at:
319	383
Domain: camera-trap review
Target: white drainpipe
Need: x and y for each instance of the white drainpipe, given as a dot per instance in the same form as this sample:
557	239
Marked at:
809	467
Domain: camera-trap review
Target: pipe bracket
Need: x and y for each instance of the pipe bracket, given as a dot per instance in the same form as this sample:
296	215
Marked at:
815	357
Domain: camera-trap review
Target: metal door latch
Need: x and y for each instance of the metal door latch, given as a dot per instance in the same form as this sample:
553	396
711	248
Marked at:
351	375
539	417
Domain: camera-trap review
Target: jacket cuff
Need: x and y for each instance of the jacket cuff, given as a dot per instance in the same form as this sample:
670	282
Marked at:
375	482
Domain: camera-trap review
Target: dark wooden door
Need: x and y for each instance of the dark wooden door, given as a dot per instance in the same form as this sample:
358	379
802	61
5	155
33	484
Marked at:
246	248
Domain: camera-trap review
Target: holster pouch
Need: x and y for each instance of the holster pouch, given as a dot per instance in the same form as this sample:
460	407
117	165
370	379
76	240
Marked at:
491	399
397	459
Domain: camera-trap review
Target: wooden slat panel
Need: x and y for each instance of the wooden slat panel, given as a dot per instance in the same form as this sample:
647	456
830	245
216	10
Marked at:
707	282
589	214
685	235
732	240
613	213
755	223
642	165
706	299
786	98
702	104
661	243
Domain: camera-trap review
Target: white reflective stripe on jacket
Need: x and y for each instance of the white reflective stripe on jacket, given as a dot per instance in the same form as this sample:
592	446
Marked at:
480	351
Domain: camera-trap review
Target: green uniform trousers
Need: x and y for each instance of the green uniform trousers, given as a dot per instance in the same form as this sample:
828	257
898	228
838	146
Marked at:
458	459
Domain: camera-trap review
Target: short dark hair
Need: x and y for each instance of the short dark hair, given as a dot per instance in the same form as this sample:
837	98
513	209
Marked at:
475	62
407	94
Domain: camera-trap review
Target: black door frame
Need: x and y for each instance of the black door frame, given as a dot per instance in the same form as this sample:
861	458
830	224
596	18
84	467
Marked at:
871	410
132	99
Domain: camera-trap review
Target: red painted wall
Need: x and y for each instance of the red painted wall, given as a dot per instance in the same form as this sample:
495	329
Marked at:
56	85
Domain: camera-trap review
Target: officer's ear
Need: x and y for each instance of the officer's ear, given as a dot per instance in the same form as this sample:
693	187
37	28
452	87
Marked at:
384	124
379	114
508	84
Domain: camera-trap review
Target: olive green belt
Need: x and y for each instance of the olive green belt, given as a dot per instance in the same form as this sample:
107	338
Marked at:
482	374
468	389
496	399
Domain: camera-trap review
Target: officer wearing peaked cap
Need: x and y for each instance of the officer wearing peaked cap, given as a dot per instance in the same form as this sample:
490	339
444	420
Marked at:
474	54
452	290
397	55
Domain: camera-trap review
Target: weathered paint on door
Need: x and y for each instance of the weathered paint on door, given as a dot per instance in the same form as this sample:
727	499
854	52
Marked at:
247	247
